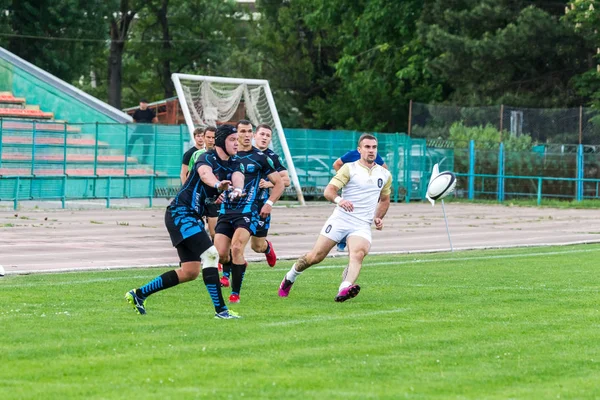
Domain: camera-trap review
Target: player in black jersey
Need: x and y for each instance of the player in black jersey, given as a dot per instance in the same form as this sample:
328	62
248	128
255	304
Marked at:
259	242
215	171
239	218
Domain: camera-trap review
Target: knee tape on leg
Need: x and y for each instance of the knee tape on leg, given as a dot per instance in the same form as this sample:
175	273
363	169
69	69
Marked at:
210	258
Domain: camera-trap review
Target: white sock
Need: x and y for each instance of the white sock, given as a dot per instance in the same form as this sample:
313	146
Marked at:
344	285
292	274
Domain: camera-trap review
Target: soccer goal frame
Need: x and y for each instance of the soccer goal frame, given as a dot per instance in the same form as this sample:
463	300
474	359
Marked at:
198	120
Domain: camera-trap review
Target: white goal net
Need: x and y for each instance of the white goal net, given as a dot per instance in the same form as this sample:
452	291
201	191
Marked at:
211	100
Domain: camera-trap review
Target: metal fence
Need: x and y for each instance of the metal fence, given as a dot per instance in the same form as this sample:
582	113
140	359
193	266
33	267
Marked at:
549	126
50	160
55	161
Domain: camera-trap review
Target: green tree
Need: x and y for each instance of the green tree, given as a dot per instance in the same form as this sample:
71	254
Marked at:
182	36
344	64
503	51
380	68
59	36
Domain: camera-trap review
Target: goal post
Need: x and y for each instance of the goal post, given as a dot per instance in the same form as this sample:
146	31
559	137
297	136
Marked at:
213	100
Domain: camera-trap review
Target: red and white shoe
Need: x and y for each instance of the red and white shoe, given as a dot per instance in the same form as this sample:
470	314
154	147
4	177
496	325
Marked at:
234	298
224	281
271	256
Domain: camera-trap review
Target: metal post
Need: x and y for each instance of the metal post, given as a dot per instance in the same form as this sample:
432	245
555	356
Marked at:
16	201
1	129
151	196
539	191
471	169
407	170
580	124
64	191
395	167
108	192
579	184
33	133
501	119
65	150
155	149
96	152
126	144
501	173
410	104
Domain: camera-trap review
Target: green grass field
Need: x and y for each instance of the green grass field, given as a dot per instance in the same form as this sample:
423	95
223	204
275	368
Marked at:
497	324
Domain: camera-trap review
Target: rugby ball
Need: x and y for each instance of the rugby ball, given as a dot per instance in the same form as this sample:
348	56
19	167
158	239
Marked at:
441	186
1	270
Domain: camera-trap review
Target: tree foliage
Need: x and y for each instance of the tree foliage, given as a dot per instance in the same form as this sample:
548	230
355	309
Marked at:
347	64
40	32
503	51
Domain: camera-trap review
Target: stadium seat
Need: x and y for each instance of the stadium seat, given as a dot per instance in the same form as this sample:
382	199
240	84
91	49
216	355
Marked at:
24	113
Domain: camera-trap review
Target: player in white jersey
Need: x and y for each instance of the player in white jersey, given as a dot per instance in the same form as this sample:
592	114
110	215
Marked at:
365	199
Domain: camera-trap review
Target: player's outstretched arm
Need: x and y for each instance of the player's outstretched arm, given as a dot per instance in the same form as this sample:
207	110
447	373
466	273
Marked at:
209	178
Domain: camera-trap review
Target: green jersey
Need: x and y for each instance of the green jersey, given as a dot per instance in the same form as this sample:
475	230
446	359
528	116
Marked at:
194	158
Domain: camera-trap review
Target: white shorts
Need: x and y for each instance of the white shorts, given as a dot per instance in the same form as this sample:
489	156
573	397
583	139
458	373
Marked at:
337	228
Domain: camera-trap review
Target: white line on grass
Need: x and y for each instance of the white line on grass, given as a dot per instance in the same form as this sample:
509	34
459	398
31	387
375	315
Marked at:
322	318
278	270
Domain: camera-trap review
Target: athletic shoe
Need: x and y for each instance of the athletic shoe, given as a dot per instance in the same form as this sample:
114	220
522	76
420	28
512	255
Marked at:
285	287
220	267
227	314
234	298
271	256
347	293
138	303
224	281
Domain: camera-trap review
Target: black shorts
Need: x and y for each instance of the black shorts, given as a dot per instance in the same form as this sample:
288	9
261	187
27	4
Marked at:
211	210
182	223
228	223
263	227
187	233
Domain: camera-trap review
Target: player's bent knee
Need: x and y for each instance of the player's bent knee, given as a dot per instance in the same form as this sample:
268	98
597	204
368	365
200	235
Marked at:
210	258
188	271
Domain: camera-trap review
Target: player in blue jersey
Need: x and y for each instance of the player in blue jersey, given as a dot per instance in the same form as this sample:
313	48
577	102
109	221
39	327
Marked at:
239	218
259	243
215	171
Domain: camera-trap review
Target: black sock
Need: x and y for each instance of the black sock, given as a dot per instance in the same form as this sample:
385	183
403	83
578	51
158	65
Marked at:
227	268
268	250
164	281
237	277
211	280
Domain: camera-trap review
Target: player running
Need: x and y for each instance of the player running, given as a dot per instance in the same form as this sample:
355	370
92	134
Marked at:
363	184
214	171
259	242
239	218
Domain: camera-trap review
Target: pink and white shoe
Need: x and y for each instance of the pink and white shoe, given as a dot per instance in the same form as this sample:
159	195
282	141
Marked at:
347	293
285	287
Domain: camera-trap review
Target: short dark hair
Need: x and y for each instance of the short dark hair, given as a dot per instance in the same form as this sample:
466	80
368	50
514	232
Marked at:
143	100
365	136
211	128
242	122
266	126
199	131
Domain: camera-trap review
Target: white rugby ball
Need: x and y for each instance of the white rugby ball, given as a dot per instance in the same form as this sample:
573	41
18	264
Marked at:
441	185
2	270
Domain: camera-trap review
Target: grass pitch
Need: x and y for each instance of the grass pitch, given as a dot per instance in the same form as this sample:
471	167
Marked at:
495	324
